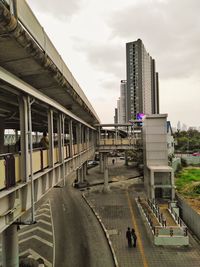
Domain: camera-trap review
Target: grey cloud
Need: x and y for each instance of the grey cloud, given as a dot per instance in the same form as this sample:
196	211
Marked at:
108	58
170	31
61	9
110	85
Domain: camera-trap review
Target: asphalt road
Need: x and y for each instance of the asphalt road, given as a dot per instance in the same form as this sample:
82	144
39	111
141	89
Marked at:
79	239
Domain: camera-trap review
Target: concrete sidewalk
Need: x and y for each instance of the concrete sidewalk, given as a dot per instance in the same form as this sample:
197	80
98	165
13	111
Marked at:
118	210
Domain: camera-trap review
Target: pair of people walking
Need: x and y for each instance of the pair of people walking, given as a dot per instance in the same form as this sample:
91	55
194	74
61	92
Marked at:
131	237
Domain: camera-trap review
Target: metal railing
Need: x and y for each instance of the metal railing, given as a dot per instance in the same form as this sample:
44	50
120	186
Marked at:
118	142
170	231
175	216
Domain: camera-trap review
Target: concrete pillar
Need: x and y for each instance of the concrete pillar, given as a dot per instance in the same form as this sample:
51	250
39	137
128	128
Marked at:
1	135
23	112
51	138
84	170
126	158
10	249
105	165
101	162
81	174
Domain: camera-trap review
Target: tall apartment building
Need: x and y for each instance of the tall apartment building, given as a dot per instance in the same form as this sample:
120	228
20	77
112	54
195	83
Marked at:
142	94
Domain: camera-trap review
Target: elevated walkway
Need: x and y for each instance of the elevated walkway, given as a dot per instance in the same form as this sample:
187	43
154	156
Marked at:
119	136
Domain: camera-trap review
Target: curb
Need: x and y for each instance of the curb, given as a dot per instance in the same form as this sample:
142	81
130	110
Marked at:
104	230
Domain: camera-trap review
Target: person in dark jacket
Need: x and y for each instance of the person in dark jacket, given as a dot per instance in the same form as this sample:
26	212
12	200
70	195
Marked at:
128	236
134	237
44	142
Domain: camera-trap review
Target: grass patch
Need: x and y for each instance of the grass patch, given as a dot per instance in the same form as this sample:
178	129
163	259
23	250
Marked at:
188	182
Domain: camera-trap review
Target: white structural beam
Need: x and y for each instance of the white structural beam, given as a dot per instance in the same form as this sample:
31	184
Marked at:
26	88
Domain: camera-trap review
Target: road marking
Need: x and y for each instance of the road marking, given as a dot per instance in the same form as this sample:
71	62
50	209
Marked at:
34	229
36	256
45	204
48	216
54	242
42	221
38	238
134	223
43	210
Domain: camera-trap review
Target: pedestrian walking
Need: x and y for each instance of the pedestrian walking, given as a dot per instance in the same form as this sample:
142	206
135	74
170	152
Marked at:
128	236
134	237
113	161
164	221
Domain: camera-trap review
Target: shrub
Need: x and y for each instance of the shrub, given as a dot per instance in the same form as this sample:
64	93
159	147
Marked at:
184	162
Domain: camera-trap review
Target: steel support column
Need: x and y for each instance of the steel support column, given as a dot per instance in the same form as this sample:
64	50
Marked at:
1	135
79	138
63	147
105	166
51	142
88	137
23	111
71	153
59	135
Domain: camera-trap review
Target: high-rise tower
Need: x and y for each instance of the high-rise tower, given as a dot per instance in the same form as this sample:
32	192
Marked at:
142	94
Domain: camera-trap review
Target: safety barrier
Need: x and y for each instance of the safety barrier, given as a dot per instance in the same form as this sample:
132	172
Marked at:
118	142
10	164
170	231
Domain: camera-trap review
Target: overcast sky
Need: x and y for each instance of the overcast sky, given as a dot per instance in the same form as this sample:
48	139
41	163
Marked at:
90	36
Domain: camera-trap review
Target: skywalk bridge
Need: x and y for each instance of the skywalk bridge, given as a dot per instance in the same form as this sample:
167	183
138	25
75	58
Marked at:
119	136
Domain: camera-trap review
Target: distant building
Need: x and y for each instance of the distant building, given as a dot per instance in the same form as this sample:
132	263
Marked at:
122	111
116	116
179	126
142	81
